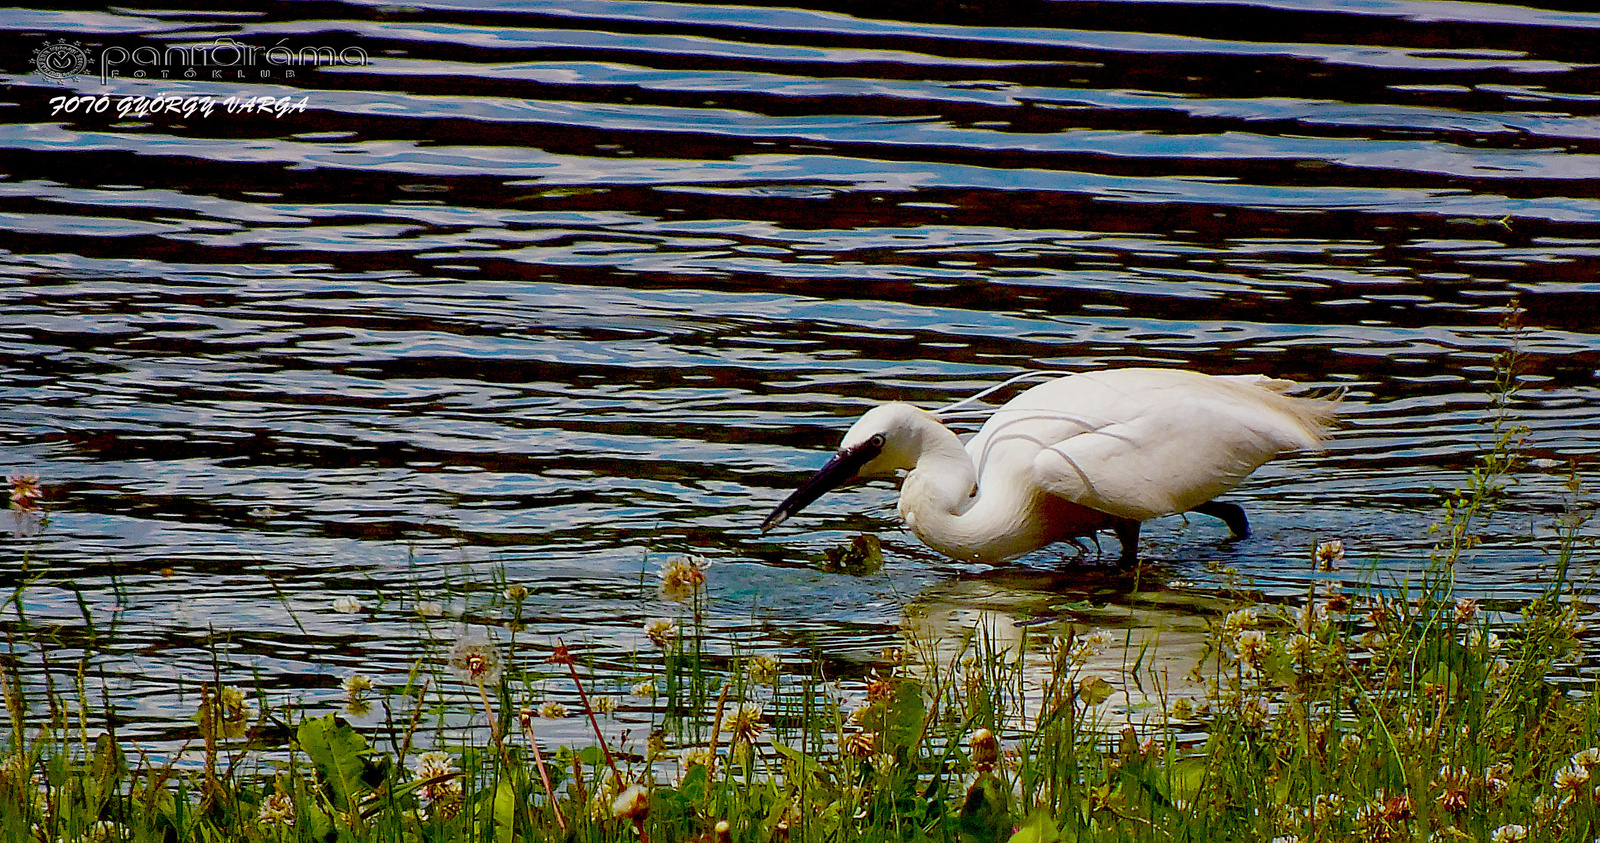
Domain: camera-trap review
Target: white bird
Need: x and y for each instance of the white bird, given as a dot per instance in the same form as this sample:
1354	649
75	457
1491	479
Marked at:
1073	456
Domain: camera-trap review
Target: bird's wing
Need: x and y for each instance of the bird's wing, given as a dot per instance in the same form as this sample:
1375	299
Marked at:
1140	443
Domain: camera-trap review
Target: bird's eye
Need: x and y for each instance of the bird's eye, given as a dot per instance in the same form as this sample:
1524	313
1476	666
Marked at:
877	440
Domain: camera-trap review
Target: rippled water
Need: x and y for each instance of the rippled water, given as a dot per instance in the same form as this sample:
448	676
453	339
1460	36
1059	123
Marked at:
551	294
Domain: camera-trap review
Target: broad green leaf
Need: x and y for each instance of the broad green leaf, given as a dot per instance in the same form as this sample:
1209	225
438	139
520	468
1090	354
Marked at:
1094	690
505	812
986	813
339	754
1039	827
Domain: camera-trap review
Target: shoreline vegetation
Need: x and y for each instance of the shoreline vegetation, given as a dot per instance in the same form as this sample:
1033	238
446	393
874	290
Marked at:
1390	712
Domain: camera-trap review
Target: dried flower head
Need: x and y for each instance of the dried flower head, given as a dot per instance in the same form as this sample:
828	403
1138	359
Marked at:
1466	610
1329	554
475	660
858	744
879	689
276	810
552	711
516	593
605	705
643	689
744	723
699	756
660	632
683	578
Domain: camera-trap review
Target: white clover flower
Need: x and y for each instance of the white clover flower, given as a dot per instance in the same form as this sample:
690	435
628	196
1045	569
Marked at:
744	723
1329	554
1251	645
683	578
1510	833
1572	778
276	810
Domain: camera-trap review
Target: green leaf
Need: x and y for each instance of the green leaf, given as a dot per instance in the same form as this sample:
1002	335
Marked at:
505	812
907	711
864	555
693	786
1039	827
339	754
986	813
592	756
1094	690
1188	775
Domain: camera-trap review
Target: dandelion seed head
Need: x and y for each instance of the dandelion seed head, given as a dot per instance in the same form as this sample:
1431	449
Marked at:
476	660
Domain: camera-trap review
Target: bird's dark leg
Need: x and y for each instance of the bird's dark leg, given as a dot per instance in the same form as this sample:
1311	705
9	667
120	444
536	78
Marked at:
1127	531
1230	513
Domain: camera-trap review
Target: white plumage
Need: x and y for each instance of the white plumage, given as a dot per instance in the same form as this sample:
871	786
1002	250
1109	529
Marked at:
1073	456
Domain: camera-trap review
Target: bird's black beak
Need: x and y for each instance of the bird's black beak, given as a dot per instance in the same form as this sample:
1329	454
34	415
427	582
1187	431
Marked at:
841	468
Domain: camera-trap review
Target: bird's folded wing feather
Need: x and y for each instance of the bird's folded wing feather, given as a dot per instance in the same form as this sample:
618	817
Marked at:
1171	441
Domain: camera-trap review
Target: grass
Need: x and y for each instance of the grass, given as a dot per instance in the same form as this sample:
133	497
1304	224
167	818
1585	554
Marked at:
1394	712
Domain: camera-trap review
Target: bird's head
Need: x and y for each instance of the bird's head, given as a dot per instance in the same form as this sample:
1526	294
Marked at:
885	440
